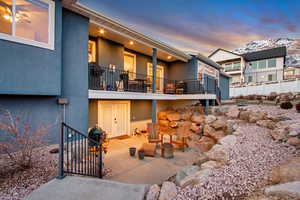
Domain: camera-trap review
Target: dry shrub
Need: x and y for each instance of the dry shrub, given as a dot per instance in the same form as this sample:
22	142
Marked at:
286	105
20	139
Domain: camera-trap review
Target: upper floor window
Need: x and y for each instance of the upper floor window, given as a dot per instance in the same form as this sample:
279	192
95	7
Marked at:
28	21
232	66
262	64
271	63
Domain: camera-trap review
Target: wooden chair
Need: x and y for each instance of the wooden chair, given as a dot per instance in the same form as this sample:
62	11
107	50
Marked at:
182	134
153	134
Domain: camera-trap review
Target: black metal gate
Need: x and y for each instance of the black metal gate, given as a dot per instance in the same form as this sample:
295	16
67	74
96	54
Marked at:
79	154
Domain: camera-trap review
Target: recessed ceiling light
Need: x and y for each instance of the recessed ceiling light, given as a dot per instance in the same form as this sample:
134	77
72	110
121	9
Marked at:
101	31
169	57
131	42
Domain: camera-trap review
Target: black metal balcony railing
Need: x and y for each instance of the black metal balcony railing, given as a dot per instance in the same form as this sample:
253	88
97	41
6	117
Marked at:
109	79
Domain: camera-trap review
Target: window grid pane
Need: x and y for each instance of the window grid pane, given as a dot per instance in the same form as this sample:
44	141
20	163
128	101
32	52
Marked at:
262	64
6	16
271	63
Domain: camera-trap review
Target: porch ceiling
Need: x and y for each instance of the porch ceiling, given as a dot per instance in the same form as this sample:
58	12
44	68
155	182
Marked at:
117	32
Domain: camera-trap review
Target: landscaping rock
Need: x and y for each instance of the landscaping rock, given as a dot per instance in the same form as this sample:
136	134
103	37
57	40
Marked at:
164	123
205	143
173	116
256	116
173	124
233	112
286	172
201	159
168	191
294	141
210	165
162	115
219	124
210	118
153	192
197	118
186	116
218	134
54	150
244	115
267	124
279	134
218	153
187	171
228	140
195	178
207	129
195	128
291	189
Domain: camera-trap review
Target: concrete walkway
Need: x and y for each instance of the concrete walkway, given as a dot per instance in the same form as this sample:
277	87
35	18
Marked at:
80	188
151	170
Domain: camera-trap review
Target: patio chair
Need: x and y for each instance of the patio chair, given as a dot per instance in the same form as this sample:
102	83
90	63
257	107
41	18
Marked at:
182	135
153	133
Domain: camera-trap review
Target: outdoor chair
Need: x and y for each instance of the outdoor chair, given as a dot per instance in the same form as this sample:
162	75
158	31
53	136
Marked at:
170	88
153	133
182	135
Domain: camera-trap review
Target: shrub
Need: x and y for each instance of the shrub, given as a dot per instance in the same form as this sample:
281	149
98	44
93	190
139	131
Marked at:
286	105
20	139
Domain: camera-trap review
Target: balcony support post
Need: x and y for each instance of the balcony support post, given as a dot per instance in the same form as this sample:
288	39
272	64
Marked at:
206	106
154	67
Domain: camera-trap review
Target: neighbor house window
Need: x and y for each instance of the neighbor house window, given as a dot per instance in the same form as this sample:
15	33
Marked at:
271	77
236	65
228	67
253	65
271	63
28	21
250	78
262	64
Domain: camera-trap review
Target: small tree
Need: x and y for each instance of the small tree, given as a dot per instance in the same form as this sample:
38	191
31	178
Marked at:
20	139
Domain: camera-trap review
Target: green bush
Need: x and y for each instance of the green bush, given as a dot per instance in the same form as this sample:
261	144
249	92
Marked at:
286	105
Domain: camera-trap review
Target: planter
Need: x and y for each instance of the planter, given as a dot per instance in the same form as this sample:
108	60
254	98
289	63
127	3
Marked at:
132	151
141	154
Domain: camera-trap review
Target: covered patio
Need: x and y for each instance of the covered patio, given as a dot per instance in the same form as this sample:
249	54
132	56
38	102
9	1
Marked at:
151	170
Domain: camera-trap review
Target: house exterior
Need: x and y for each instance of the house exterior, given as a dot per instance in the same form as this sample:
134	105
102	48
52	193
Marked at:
64	60
254	67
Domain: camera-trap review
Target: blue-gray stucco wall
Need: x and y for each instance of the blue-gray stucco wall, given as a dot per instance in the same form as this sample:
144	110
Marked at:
32	70
179	70
75	69
224	87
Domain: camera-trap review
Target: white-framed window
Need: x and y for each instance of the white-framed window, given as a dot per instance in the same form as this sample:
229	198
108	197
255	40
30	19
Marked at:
272	63
271	77
29	22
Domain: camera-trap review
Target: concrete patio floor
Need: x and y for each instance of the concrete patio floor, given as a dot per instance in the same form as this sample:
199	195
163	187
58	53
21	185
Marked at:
151	170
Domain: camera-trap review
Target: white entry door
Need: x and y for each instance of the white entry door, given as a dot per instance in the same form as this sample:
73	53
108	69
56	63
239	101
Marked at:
114	117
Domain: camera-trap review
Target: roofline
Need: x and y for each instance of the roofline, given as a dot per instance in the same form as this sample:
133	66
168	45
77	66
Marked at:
200	58
113	25
215	51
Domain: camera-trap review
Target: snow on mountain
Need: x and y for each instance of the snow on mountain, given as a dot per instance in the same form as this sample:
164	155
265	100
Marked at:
292	45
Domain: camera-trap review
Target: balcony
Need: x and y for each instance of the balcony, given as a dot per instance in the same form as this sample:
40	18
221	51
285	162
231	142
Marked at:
109	79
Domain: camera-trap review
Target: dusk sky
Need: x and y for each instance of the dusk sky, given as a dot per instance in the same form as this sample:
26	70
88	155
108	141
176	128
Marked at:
204	25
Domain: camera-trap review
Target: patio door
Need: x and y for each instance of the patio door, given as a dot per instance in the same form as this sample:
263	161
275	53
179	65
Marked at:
159	76
129	64
114	117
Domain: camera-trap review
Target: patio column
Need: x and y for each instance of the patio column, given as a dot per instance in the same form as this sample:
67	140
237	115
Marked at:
206	106
154	67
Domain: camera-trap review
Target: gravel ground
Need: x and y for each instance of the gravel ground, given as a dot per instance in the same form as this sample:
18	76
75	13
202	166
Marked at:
251	161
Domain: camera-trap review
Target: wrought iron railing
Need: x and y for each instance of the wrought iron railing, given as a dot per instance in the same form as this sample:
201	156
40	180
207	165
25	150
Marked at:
112	79
79	154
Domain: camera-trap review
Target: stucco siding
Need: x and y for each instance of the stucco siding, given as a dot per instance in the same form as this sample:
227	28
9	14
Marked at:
180	70
32	70
75	69
223	55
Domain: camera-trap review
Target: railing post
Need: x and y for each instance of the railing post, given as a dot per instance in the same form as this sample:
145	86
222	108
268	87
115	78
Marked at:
100	158
61	154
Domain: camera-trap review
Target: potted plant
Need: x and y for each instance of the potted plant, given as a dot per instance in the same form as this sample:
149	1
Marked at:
141	153
132	151
298	107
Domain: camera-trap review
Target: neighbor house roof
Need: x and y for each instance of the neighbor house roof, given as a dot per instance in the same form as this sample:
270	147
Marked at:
265	54
220	49
207	61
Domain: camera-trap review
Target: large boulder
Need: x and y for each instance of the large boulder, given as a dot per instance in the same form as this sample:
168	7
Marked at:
173	124
205	143
210	119
195	178
210	165
207	129
187	171
219	124
267	124
197	118
168	191
201	159
217	135
244	115
287	171
290	190
186	116
173	116
233	112
294	129
218	153
256	116
279	134
153	192
195	128
164	123
294	141
228	140
162	115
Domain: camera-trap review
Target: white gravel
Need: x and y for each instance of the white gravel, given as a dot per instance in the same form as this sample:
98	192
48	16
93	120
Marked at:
251	160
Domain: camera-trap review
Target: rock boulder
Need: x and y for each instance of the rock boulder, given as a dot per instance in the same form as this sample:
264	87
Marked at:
168	191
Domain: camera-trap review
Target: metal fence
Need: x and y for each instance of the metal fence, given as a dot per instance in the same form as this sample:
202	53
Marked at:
79	154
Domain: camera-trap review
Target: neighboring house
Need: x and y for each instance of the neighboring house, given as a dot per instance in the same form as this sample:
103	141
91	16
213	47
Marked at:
58	52
254	67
